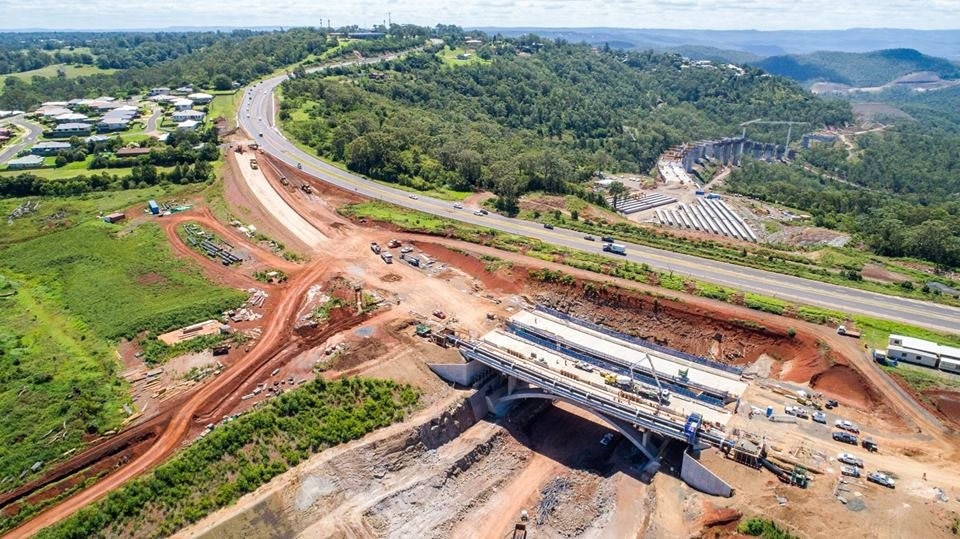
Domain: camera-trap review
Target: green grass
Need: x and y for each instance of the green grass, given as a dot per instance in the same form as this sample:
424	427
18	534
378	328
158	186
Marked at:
225	105
237	457
761	527
119	286
74	169
53	372
78	209
70	71
923	379
449	57
875	332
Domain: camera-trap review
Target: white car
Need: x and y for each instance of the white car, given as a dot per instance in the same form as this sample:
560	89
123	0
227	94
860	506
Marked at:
413	196
478	212
584	366
458	206
847	458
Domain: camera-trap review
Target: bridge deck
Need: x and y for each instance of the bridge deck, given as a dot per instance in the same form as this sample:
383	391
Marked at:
662	363
557	364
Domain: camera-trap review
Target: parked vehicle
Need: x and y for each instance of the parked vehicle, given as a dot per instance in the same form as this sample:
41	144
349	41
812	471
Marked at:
387	257
845	437
406	250
847	458
881	478
847	426
831	404
439	314
850	471
842	330
375	247
820	417
584	366
393	244
869	445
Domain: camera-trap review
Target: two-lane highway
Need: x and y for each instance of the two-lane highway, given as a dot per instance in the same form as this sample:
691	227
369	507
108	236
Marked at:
32	133
256	117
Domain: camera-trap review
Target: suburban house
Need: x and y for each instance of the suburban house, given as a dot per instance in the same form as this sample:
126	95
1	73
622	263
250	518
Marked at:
132	152
70	117
71	129
184	115
27	161
182	104
161	90
49	148
102	106
52	111
188	124
200	98
183	90
112	123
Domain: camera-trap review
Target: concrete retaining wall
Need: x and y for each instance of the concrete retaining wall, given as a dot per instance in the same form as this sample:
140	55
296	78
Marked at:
699	477
463	374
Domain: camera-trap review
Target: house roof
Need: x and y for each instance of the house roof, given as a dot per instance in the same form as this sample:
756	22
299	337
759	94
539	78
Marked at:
52	145
128	152
187	124
919	345
26	160
200	95
73	126
188	114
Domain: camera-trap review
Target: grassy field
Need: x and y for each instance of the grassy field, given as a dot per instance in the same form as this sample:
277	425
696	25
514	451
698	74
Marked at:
875	332
237	457
923	379
225	105
450	57
58	383
70	71
119	285
78	209
77	168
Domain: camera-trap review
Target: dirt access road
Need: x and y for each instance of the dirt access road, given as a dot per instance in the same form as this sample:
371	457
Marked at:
182	420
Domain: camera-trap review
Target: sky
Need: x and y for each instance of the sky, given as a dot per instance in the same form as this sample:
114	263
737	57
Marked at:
674	14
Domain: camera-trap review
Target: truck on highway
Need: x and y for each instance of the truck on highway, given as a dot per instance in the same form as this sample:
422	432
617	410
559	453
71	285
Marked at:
615	248
842	330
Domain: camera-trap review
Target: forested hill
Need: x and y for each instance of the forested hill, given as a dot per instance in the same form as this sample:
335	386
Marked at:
205	60
857	69
520	116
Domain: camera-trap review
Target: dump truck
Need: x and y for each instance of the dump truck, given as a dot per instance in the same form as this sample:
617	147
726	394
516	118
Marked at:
615	248
842	330
375	247
253	164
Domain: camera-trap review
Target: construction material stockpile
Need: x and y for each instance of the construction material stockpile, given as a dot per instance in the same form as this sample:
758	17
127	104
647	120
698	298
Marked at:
634	205
708	215
211	245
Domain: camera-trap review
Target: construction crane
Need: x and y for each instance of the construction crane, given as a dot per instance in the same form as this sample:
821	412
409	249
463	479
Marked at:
789	123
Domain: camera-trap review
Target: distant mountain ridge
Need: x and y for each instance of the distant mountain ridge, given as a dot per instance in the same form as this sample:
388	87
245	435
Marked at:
874	68
942	43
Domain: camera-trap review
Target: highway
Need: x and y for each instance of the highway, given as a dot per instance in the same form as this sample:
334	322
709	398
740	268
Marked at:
33	132
256	116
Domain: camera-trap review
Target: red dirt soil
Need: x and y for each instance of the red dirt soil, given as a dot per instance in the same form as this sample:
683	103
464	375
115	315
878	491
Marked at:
470	265
843	380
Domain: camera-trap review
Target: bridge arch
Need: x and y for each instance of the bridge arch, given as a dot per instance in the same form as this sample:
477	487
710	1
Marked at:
636	436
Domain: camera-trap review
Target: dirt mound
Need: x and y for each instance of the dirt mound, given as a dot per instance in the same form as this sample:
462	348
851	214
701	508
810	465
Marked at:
682	326
471	266
391	278
718	516
846	385
947	403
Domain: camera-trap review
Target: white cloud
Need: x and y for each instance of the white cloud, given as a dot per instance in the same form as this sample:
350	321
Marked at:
716	14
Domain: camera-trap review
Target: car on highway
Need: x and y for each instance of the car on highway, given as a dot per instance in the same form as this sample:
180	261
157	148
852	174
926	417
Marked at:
457	206
881	478
820	417
589	238
852	460
413	196
850	471
608	239
548	226
845	437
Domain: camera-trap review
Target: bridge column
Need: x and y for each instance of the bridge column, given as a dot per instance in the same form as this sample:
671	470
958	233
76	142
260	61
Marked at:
511	385
646	438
